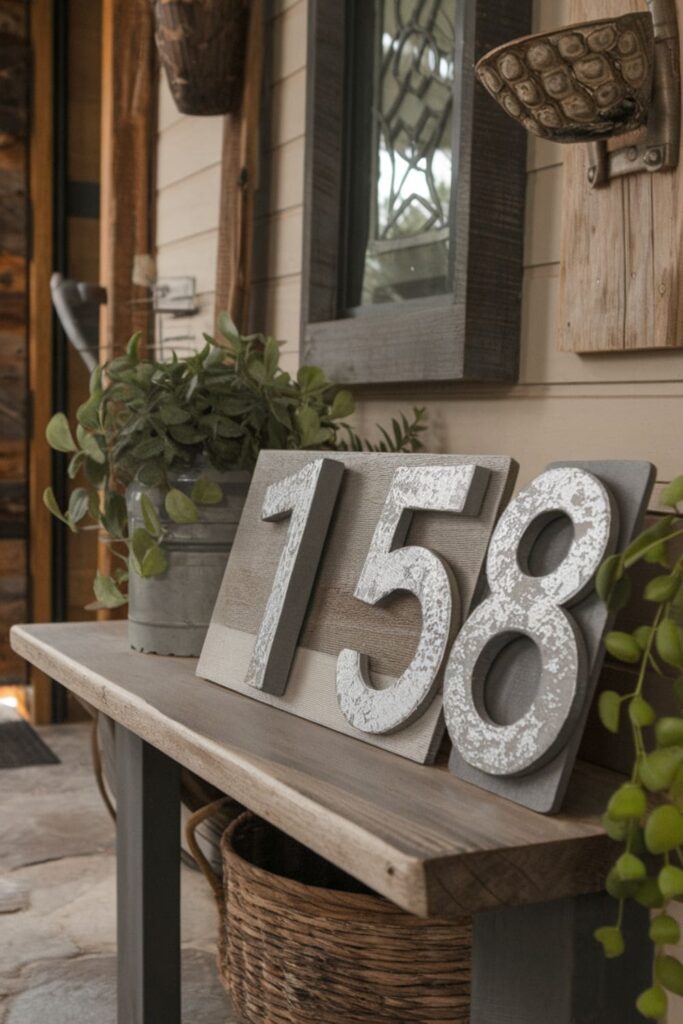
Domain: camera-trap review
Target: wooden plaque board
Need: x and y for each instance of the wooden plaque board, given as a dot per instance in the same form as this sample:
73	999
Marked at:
511	683
622	270
335	619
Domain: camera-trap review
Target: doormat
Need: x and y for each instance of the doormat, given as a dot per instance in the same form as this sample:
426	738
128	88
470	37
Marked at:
22	747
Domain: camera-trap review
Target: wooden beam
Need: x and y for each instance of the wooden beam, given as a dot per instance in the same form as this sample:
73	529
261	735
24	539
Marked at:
127	177
129	89
40	333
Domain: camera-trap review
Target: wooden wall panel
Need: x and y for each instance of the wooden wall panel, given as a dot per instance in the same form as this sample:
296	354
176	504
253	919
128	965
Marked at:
622	269
14	69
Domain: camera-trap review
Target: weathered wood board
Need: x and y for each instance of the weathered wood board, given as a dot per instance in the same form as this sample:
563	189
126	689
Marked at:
622	266
513	678
387	633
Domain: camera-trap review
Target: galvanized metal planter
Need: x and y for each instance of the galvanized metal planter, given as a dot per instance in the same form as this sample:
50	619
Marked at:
170	614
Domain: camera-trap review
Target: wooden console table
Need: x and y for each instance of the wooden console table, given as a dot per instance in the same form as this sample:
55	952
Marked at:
422	838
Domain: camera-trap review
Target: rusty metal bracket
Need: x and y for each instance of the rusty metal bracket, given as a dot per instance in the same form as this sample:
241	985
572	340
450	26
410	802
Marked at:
660	151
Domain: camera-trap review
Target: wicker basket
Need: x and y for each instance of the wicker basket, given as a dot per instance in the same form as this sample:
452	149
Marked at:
306	944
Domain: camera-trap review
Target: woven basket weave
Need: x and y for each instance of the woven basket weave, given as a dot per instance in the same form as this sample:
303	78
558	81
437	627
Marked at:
303	943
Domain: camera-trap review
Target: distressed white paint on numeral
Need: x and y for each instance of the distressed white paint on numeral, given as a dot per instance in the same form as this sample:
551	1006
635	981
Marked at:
456	489
531	606
309	497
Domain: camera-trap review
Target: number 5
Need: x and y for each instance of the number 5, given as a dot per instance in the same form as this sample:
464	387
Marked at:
456	489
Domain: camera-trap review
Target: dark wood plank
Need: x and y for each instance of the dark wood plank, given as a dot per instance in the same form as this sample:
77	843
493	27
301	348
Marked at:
474	335
40	329
427	841
148	883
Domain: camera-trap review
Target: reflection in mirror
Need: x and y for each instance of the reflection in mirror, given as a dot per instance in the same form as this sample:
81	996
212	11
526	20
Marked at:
407	172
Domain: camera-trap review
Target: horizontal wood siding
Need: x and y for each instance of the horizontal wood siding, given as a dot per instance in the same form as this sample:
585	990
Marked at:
187	213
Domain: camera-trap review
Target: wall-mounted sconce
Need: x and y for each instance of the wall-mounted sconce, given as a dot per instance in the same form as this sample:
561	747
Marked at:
593	81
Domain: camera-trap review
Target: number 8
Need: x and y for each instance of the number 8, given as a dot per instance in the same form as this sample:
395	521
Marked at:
531	606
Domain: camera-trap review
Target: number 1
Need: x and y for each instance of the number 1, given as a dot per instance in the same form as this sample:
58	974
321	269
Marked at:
309	497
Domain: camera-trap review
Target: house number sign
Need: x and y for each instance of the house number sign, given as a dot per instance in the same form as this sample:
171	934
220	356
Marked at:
349	599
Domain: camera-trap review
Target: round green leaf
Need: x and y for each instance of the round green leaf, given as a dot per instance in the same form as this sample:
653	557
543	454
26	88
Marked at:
611	940
669	643
623	647
629	802
180	508
207	492
664	830
150	517
669	732
672	494
619	889
669	973
51	505
58	434
107	593
342	406
643	636
630	868
653	1003
670	882
154	562
609	709
649	894
665	930
640	712
616	830
662	589
79	503
658	768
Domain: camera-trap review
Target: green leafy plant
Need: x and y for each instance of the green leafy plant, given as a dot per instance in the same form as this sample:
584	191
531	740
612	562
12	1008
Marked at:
145	420
645	815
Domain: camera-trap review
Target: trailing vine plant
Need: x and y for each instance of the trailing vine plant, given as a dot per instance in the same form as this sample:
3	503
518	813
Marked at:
146	420
645	814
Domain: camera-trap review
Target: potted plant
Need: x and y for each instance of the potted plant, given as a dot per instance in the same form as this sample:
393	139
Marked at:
163	452
645	814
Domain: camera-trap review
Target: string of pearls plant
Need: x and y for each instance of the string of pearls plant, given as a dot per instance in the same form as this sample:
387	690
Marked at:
645	814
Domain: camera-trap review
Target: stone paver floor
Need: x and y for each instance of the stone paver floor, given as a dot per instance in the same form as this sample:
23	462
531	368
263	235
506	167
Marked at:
57	900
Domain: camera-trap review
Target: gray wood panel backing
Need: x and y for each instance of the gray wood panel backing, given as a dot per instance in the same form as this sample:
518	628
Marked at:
148	883
512	687
541	964
475	335
418	835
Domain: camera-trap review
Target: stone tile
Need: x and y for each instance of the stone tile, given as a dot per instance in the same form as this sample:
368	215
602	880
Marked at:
14	895
57	863
67	817
83	991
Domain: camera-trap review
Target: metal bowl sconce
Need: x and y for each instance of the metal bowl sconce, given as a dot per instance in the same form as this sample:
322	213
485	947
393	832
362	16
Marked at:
596	80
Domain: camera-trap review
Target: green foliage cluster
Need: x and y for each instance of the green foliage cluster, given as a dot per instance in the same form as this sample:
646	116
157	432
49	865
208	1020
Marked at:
645	815
146	420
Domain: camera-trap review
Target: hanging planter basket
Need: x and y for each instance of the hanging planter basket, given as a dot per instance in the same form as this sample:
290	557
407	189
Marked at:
202	46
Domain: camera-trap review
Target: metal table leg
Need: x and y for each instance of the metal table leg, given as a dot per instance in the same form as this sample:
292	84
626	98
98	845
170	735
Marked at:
148	883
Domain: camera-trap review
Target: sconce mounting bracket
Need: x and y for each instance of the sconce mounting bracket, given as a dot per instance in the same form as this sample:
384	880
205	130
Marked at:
660	150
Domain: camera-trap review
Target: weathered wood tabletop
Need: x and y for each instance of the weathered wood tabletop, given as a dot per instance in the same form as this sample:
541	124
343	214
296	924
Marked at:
416	834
